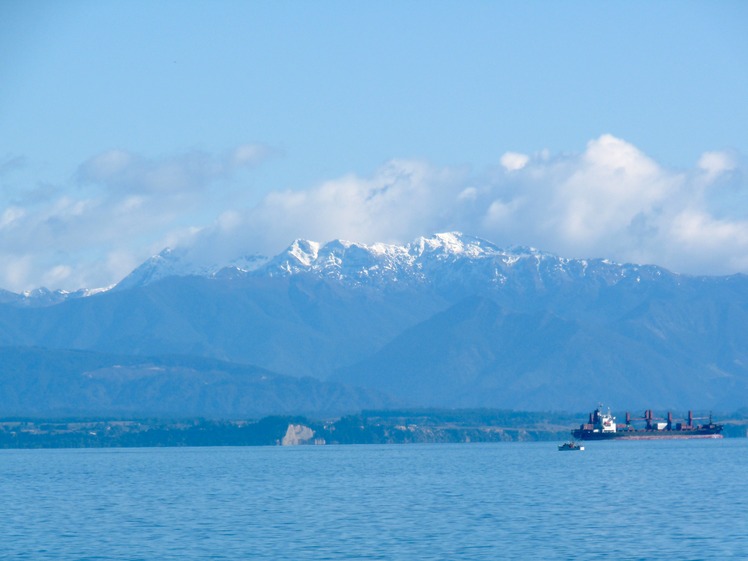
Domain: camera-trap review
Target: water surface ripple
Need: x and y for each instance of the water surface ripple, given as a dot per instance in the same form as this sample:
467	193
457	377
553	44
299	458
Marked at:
623	500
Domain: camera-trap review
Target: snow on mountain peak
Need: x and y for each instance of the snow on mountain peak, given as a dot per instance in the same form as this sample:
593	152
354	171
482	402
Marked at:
304	251
172	262
449	243
445	258
352	262
247	263
380	263
161	265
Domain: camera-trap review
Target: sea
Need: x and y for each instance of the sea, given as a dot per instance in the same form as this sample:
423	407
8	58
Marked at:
633	500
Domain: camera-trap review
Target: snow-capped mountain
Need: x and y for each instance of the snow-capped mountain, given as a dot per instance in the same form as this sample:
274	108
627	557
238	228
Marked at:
348	262
444	258
446	320
177	263
40	297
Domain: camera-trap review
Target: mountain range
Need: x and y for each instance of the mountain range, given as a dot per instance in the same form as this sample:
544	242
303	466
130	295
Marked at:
445	321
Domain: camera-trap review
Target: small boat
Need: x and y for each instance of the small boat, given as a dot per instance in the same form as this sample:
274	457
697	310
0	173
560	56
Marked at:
570	446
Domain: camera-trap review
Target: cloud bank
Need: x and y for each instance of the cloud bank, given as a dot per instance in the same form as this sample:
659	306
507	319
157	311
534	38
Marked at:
609	200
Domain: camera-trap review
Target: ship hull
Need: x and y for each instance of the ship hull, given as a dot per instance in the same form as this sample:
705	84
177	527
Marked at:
642	435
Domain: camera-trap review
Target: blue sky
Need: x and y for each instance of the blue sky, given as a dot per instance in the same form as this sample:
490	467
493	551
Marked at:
590	129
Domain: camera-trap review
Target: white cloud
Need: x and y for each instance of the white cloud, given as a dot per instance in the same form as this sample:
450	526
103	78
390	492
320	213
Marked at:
250	155
57	275
107	165
16	271
10	216
403	197
715	163
468	194
120	207
181	173
514	161
611	200
609	185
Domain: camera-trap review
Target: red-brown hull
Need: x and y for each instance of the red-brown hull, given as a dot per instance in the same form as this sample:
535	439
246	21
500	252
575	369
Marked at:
643	435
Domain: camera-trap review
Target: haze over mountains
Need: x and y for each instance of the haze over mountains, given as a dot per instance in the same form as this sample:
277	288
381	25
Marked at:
445	321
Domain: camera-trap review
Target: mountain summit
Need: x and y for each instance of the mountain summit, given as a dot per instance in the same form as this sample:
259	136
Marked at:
345	261
439	259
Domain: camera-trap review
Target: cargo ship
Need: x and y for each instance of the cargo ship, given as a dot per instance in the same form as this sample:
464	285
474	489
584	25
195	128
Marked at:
603	426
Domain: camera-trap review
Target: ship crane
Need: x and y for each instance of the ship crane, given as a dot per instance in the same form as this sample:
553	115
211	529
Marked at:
651	420
648	417
669	425
691	418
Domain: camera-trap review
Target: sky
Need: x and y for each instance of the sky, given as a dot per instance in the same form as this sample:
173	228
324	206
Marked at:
587	129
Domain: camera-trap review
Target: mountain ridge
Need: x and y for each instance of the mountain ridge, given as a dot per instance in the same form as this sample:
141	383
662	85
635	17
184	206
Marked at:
358	263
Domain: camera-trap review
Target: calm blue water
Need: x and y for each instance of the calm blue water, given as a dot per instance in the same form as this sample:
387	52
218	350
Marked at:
623	500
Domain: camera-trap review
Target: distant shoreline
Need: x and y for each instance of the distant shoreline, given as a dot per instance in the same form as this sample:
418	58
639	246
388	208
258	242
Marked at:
380	427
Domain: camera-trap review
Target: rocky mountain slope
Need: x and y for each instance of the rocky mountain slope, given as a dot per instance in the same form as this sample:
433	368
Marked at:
48	383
